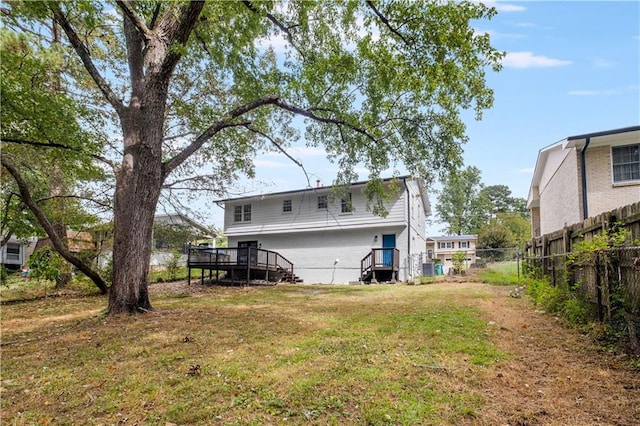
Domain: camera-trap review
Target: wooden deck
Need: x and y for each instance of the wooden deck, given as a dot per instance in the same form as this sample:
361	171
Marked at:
241	265
381	264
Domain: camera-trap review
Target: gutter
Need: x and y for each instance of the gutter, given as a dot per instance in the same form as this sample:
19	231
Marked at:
408	218
583	169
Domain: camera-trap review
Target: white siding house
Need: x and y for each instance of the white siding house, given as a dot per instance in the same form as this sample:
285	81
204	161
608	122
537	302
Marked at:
444	247
15	253
327	238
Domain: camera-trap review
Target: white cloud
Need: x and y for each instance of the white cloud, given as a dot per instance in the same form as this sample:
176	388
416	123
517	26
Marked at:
306	152
592	92
527	170
497	35
602	63
529	60
504	7
266	164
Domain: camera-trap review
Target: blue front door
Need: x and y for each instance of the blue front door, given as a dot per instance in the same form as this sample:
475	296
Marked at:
388	242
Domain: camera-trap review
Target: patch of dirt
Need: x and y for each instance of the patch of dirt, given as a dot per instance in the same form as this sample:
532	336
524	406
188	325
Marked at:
554	375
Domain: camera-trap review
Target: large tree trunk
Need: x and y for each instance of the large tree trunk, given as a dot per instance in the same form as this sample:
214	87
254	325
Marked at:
138	186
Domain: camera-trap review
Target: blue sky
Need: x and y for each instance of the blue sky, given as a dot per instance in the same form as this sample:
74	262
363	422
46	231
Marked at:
571	68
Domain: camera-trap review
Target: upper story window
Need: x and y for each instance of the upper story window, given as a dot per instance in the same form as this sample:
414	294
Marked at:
242	213
322	202
286	206
345	204
463	244
447	244
626	163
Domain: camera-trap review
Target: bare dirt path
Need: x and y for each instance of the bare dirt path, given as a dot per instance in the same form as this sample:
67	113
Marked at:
555	374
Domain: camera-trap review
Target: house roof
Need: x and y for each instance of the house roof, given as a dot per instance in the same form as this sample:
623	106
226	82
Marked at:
605	133
177	218
423	192
465	237
606	137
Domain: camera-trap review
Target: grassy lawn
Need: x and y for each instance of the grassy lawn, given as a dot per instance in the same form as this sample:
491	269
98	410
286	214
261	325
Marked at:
253	355
505	273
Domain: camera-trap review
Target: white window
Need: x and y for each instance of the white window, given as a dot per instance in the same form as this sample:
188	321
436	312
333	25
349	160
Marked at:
464	244
322	202
242	213
448	244
13	252
286	206
626	163
345	204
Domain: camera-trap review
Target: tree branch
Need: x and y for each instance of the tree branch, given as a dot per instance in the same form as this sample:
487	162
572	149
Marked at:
281	149
56	241
180	35
223	123
59	146
386	22
310	114
134	18
85	56
277	23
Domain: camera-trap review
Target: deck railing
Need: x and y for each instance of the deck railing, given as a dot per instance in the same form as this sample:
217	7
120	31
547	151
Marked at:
380	259
238	258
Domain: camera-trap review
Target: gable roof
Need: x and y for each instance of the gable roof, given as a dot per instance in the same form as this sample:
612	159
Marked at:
606	137
179	218
423	193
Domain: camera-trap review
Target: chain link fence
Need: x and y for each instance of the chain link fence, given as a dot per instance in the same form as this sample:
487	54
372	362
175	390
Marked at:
608	279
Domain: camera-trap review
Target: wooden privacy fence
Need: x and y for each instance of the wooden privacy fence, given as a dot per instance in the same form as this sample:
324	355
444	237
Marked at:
608	278
563	241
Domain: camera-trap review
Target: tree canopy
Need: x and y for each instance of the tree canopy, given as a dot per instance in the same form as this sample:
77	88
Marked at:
462	204
192	91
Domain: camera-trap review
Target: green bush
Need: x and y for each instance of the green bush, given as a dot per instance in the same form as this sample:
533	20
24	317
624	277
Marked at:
559	300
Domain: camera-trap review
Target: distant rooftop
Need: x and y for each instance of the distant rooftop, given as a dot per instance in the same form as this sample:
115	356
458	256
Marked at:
453	238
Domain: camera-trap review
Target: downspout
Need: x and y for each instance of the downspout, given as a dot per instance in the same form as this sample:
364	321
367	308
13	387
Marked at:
583	170
408	224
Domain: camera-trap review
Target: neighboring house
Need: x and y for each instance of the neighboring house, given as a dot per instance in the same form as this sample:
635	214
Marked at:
15	253
443	248
330	240
162	254
77	241
204	234
583	176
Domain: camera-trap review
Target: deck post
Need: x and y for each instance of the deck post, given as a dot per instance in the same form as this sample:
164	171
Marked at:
266	274
189	265
248	264
217	276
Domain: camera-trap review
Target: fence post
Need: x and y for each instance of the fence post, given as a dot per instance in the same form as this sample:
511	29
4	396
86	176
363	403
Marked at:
598	287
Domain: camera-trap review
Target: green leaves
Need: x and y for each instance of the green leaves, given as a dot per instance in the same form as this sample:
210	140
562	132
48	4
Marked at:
462	206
